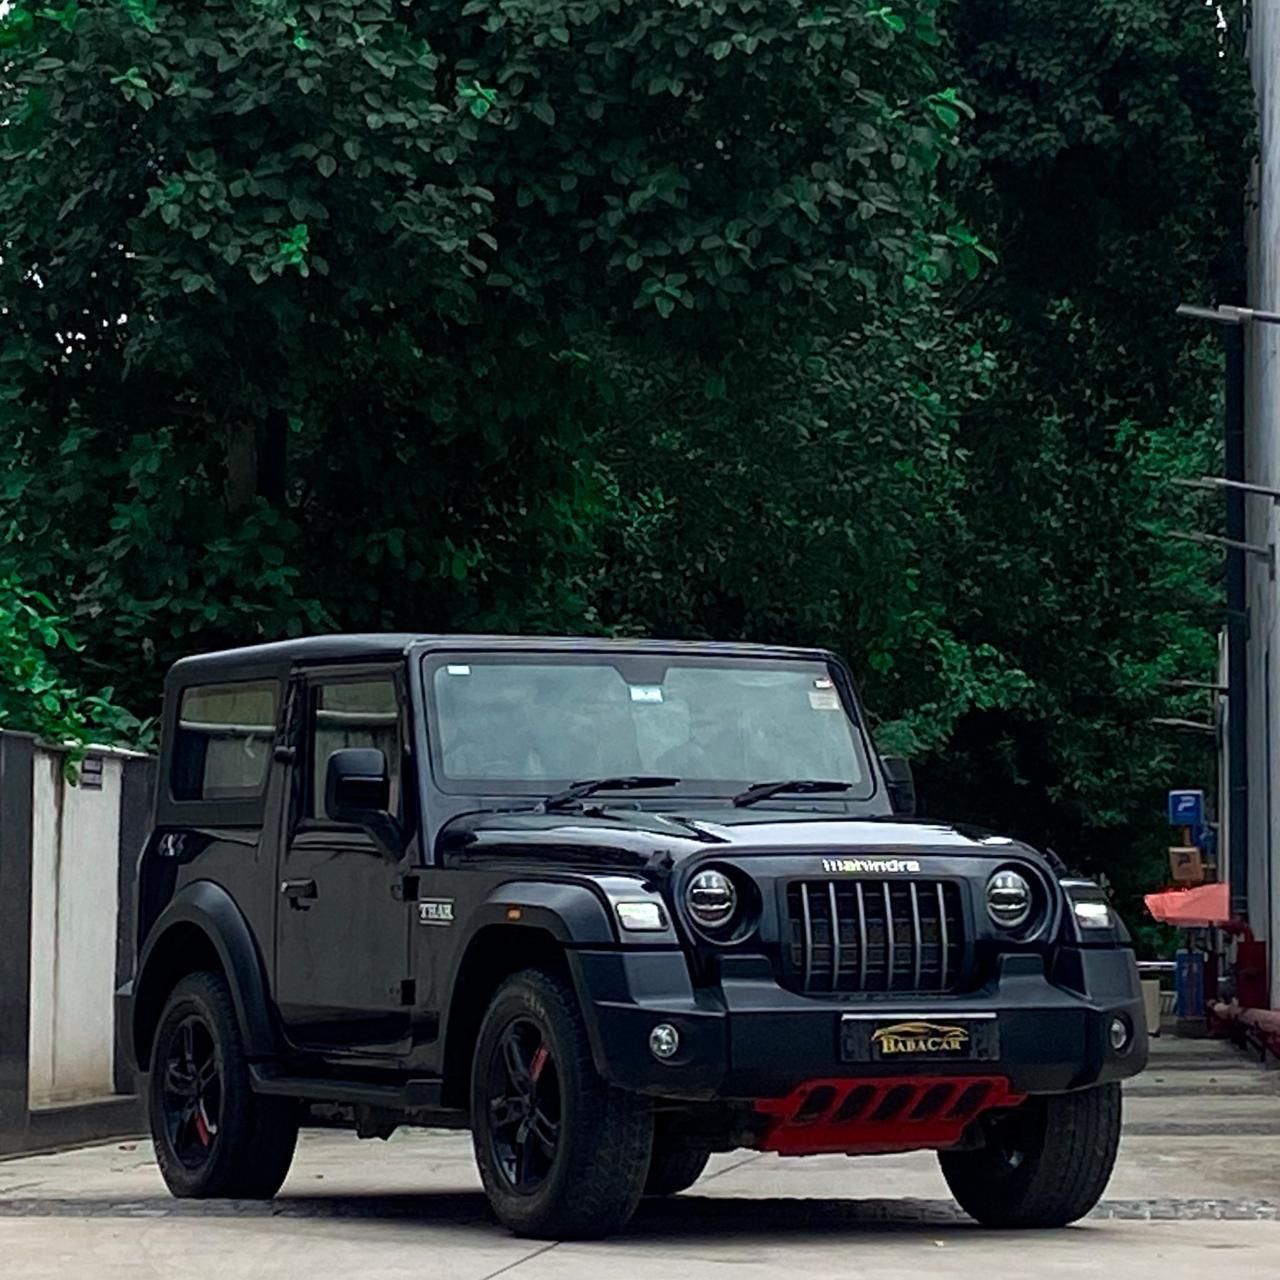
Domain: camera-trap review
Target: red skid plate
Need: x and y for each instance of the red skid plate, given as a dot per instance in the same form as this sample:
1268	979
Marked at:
867	1116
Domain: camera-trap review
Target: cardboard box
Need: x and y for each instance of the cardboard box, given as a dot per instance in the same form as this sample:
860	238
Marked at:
1186	863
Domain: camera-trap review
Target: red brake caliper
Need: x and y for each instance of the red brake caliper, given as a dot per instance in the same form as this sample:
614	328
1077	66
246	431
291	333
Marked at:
539	1061
202	1129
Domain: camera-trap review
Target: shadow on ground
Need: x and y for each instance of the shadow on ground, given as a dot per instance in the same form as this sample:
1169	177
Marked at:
685	1217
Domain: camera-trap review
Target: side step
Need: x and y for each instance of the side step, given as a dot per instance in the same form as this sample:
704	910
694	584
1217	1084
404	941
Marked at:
409	1095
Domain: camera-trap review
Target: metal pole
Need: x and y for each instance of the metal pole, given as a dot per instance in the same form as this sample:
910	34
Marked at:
1237	629
1217	482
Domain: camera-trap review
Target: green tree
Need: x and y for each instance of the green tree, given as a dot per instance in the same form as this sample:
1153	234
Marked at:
665	317
1107	163
35	695
370	315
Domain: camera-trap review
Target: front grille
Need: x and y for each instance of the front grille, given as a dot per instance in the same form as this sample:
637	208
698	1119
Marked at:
874	935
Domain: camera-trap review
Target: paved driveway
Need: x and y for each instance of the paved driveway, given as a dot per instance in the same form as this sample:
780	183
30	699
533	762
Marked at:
1196	1193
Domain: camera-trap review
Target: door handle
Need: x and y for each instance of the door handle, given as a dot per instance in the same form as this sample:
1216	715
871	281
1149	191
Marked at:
298	892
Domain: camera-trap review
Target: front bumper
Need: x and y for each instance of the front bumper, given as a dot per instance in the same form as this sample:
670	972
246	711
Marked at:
749	1038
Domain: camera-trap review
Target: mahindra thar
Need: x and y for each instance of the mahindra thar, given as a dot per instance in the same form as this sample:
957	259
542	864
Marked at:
612	906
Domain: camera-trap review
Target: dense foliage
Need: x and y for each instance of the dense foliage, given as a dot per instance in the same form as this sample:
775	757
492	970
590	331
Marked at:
654	317
36	695
566	315
1109	158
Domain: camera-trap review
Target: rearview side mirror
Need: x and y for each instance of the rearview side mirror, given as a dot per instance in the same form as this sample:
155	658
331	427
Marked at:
901	783
357	791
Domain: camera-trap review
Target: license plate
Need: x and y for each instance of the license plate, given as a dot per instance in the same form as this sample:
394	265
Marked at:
874	1038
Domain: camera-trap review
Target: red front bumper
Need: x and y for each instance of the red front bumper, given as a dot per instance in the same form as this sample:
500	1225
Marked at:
870	1116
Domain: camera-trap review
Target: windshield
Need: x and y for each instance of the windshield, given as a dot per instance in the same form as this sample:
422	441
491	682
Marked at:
507	723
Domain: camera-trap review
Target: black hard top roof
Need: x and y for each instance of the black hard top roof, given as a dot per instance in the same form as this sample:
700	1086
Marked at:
373	647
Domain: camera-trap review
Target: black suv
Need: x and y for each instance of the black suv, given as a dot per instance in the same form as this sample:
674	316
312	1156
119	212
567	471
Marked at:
612	906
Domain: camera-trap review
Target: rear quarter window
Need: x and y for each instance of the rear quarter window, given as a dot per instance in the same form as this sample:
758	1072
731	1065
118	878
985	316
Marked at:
224	739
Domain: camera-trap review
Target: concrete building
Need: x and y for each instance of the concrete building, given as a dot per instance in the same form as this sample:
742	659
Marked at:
1262	512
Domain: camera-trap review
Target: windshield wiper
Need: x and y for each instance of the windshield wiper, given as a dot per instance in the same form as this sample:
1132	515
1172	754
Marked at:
797	786
632	782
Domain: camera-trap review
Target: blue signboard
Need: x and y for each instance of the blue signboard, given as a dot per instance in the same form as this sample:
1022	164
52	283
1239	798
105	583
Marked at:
1186	808
1206	839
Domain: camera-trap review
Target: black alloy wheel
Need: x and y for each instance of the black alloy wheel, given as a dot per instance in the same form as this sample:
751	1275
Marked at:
562	1153
191	1091
213	1136
525	1106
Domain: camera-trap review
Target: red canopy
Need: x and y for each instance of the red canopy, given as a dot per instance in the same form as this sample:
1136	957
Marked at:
1208	904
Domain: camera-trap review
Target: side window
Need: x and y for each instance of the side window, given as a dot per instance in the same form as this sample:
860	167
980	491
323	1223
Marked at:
354	713
224	739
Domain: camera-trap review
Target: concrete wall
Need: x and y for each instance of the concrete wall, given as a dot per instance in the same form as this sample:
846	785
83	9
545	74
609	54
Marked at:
68	854
74	911
1262	450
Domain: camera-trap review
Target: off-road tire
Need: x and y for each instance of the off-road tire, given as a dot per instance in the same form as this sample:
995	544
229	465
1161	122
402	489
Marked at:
256	1137
1046	1164
598	1171
674	1169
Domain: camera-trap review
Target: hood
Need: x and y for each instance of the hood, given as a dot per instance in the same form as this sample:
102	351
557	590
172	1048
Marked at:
636	837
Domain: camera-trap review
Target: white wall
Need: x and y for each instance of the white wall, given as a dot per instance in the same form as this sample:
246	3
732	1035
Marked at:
1262	448
74	902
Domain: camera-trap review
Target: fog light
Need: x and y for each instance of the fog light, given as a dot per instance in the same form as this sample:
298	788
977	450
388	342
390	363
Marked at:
664	1041
1119	1034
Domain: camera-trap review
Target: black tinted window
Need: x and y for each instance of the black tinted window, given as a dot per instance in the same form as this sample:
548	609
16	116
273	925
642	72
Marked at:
224	739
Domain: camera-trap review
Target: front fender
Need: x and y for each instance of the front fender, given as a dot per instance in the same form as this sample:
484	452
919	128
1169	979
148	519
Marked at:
210	909
573	914
617	975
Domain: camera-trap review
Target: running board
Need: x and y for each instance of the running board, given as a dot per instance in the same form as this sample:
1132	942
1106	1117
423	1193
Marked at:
410	1095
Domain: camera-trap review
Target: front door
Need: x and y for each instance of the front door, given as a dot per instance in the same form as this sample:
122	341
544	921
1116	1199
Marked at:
342	933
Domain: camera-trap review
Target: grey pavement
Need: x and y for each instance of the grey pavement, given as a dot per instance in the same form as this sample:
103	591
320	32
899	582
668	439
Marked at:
1196	1193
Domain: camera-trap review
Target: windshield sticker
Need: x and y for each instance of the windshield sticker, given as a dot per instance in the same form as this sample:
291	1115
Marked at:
824	699
823	682
646	693
458	669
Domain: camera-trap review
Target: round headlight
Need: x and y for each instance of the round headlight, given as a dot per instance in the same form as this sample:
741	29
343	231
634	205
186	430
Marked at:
712	900
1008	899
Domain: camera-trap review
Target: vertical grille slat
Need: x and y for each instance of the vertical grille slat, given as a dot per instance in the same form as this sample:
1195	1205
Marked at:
808	938
835	938
873	934
862	940
917	939
942	929
890	938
